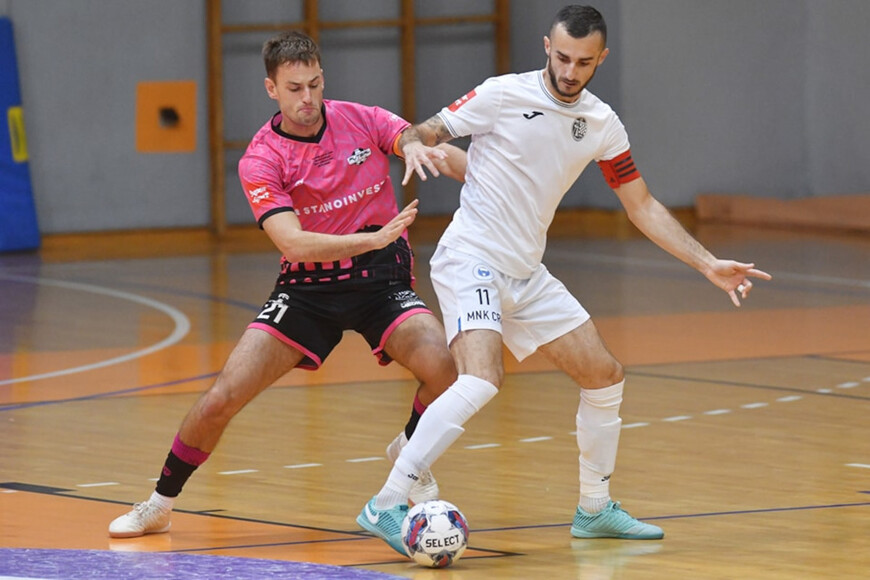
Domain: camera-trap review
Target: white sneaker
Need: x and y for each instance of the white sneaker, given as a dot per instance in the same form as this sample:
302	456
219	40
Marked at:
426	487
145	518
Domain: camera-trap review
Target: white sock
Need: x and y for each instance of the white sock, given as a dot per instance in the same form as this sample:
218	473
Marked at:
598	428
438	428
161	500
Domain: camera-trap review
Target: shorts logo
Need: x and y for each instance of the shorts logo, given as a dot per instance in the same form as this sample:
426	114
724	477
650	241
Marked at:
408	299
578	130
359	156
481	272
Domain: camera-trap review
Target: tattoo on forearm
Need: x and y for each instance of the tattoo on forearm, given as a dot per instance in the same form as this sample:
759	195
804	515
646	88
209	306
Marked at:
436	127
431	132
409	135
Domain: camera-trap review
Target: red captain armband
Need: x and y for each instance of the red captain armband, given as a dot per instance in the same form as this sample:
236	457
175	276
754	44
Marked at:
619	170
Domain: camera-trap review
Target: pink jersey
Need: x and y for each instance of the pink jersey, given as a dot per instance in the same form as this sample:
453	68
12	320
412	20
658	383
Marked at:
337	182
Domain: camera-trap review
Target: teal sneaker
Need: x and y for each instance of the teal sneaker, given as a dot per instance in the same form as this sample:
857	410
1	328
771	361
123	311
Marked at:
613	522
385	524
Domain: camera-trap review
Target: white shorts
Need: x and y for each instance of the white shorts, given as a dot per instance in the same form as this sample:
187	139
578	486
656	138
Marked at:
527	313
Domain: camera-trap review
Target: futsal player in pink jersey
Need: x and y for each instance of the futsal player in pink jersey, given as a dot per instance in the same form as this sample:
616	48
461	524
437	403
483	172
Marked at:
532	135
317	178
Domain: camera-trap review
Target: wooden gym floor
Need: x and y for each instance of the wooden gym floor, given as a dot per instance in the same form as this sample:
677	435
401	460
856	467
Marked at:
746	432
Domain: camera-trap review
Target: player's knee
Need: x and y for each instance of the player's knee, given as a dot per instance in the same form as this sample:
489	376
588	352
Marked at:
618	372
433	356
493	374
605	374
611	373
436	370
445	367
216	406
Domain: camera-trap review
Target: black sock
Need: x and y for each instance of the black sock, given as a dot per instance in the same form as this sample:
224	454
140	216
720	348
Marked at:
174	475
411	425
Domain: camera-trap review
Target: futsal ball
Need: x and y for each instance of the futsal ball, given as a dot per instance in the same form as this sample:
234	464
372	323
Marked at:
435	533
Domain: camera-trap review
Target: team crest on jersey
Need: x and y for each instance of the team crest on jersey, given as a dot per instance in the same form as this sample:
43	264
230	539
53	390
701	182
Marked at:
578	129
359	156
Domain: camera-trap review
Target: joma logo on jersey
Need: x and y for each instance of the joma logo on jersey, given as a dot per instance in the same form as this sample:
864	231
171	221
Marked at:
259	194
461	101
359	156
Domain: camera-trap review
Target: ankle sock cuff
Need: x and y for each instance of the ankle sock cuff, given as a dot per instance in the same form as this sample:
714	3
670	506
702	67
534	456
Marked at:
188	454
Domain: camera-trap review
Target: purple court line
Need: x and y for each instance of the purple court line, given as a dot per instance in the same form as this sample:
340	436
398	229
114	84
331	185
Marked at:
15	407
724	383
703	515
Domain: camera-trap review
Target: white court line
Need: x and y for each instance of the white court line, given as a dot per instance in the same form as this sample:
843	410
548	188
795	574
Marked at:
483	446
824	391
364	459
789	399
182	325
630	426
101	484
303	465
753	405
535	439
864	465
677	418
848	385
717	412
238	472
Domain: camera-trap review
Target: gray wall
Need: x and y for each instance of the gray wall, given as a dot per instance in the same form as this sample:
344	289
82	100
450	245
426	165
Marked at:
837	96
79	63
716	95
767	97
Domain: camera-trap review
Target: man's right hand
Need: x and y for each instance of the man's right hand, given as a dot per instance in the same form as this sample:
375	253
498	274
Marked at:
394	228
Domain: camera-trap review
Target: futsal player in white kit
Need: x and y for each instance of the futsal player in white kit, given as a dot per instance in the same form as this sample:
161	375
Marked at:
532	135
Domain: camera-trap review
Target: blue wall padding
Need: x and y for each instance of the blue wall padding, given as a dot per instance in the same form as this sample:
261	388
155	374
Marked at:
18	225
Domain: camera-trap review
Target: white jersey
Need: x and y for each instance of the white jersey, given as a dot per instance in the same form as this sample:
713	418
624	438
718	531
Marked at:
527	149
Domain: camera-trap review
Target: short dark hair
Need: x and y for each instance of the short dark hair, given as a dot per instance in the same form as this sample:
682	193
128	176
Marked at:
580	21
289	47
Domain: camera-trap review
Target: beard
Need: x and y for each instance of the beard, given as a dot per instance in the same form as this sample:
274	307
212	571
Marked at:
554	81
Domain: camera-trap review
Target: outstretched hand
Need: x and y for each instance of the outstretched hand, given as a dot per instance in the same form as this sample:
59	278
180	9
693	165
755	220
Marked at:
418	156
733	278
394	228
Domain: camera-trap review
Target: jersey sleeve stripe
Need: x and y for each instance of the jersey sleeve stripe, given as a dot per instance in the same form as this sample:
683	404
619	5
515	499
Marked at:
270	213
453	132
